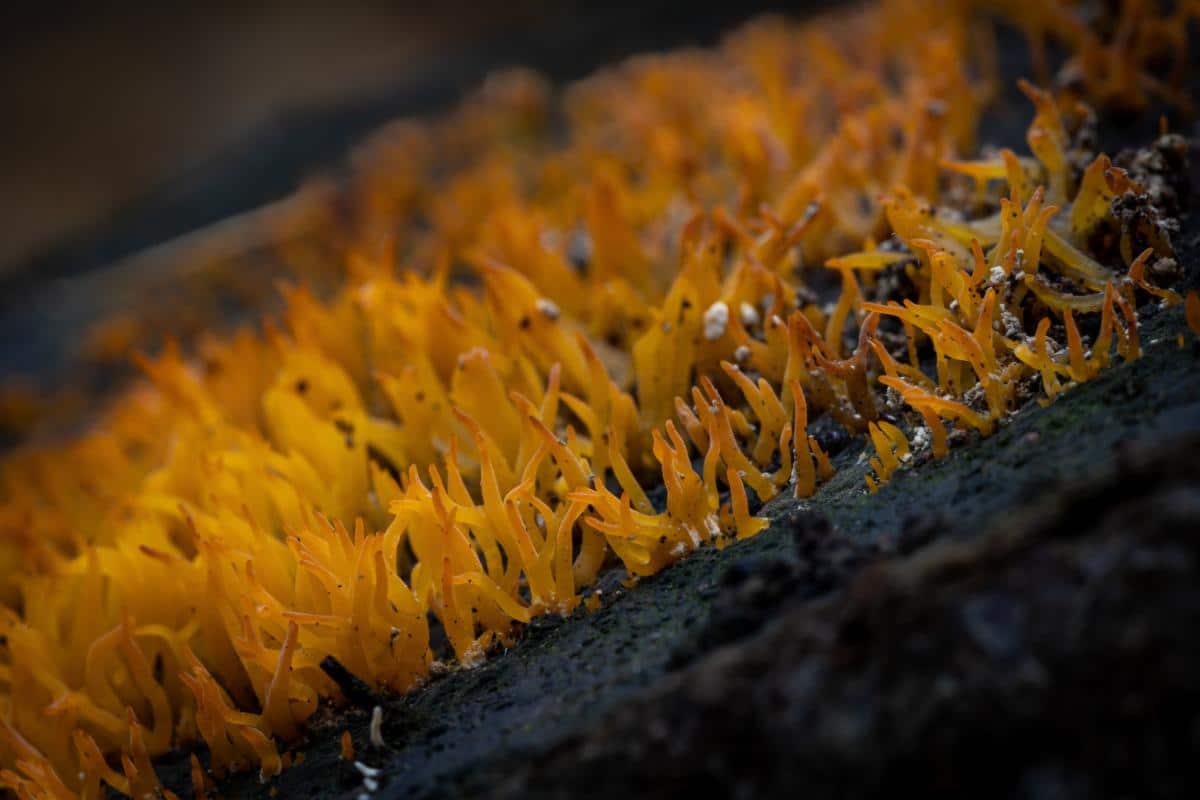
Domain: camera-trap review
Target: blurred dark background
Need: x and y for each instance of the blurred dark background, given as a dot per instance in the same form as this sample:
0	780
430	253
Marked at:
127	125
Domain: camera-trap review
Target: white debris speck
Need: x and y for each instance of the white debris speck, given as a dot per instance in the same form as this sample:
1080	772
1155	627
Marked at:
377	727
712	526
920	438
742	354
716	319
366	771
996	274
950	214
679	551
548	308
370	784
749	314
1012	325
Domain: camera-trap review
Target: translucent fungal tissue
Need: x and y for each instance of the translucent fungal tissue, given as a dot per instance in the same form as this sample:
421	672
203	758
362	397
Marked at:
575	331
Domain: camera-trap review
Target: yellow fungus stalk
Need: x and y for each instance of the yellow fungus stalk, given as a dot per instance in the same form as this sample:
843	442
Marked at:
891	451
1192	311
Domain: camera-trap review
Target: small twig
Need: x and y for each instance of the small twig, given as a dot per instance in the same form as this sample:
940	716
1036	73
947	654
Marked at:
376	729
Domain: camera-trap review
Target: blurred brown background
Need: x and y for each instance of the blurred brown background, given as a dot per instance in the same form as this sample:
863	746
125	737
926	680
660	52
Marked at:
179	114
100	105
124	126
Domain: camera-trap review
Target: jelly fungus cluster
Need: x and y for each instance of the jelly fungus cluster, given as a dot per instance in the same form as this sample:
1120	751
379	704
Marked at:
626	313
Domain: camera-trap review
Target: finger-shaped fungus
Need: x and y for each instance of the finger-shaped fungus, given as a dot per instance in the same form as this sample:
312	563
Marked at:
612	345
